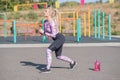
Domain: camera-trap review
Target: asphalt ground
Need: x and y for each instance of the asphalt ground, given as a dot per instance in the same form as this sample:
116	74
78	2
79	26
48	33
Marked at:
26	63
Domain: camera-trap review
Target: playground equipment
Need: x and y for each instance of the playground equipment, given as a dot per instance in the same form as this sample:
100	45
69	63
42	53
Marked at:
78	30
85	18
4	17
76	23
29	29
82	2
97	25
34	5
63	19
14	28
57	4
44	37
83	23
5	26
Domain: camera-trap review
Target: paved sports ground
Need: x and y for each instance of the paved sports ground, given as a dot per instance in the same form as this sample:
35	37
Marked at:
26	63
25	59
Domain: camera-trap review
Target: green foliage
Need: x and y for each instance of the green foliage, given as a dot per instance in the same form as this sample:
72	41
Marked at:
106	29
1	16
17	15
70	16
63	27
116	13
116	33
32	16
10	16
101	1
2	6
21	1
113	27
72	3
116	6
8	5
50	2
119	19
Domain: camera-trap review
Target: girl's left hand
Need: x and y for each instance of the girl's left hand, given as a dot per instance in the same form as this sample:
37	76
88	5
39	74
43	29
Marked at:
41	31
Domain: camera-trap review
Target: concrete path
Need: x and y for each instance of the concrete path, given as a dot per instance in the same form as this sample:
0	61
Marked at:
26	63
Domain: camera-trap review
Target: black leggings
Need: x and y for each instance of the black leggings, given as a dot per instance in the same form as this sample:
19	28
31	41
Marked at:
57	45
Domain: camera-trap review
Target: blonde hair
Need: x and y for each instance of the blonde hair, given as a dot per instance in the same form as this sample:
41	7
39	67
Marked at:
53	12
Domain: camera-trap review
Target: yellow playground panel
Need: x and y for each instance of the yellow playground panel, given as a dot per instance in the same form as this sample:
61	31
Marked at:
64	19
85	16
111	1
23	5
57	4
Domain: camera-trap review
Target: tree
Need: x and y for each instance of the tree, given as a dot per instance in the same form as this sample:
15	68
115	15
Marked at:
8	5
49	2
100	1
3	5
21	1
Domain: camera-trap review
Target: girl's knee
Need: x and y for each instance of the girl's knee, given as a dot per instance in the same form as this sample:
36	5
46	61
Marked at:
58	57
49	50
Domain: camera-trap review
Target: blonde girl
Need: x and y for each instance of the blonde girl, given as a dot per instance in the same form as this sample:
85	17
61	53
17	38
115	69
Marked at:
51	30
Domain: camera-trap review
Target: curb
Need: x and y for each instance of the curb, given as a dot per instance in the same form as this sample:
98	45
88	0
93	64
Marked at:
115	36
65	45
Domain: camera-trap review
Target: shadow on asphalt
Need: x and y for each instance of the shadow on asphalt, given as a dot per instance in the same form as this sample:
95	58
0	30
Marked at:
91	69
39	66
